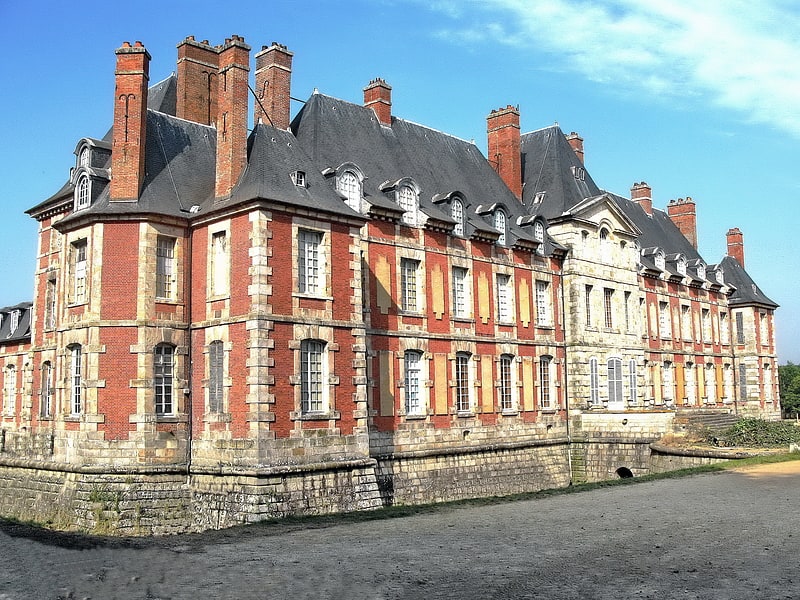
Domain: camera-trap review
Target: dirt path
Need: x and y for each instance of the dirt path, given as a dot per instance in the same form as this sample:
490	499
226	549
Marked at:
730	535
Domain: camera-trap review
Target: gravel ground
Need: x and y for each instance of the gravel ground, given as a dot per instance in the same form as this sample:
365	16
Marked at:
727	535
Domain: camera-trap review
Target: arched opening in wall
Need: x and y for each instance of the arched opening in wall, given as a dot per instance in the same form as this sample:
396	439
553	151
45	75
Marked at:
624	473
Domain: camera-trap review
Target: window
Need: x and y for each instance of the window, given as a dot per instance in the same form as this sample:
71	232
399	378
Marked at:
309	263
299	178
499	222
686	321
690	383
83	157
587	309
739	328
594	382
710	381
632	387
664	327
46	397
705	320
614	380
668	383
460	292
408	284
82	195
14	322
75	381
216	365
742	381
605	246
660	261
457	214
768	382
79	271
545	382
407	199
10	390
701	271
165	268
762	325
724	328
412	382
543	318
504	298
312	372
506	382
627	311
463	381
727	378
163	378
220	262
50	298
349	185
538	235
608	295
681	266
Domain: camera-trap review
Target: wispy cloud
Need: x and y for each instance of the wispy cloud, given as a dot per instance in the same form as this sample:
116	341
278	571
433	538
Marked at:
743	55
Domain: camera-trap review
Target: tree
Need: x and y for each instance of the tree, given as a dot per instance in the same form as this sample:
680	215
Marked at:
789	379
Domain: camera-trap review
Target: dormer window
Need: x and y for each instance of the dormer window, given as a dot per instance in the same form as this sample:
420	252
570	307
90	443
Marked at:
457	214
12	327
83	157
349	185
579	173
539	197
720	276
660	261
701	271
82	192
407	199
499	221
681	265
299	178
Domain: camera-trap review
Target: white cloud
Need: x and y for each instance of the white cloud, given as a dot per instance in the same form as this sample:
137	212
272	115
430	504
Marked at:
743	55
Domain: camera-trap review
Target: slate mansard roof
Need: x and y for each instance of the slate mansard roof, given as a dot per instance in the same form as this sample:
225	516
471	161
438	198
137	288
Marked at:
22	331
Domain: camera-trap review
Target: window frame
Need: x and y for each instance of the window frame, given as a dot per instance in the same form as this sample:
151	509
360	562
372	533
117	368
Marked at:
166	268
164	380
546	395
594	382
615	381
407	199
543	304
504	306
216	377
457	214
313	375
83	192
500	222
412	383
506	381
80	271
409	285
350	185
311	264
460	292
46	391
463	382
220	264
9	389
76	399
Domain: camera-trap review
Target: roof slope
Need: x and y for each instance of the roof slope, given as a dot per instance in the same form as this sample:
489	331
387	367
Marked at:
746	292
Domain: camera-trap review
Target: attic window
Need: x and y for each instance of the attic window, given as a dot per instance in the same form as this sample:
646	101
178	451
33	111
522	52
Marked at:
14	322
82	193
701	271
457	214
720	276
83	157
499	222
349	185
681	266
407	199
299	178
539	197
579	173
538	235
660	261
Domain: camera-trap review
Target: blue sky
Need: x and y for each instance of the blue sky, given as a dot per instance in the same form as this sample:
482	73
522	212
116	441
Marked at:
697	99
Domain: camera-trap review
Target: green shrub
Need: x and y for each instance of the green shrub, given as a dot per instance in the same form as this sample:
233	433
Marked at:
758	433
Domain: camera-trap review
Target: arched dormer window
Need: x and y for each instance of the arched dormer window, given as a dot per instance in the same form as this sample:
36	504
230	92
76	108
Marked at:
457	214
407	199
538	235
83	157
660	260
701	271
681	265
348	183
82	192
499	221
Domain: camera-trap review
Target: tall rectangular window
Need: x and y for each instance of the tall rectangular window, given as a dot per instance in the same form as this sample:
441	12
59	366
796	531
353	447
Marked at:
664	327
627	311
614	380
310	275
10	389
690	383
594	382
608	297
216	364
742	381
724	329
587	304
46	398
763	328
710	380
408	284
739	328
633	393
506	383
460	292
463	394
668	383
545	395
705	322
165	268
75	381
50	298
503	298
686	322
312	357
79	272
727	377
543	316
163	378
412	380
220	264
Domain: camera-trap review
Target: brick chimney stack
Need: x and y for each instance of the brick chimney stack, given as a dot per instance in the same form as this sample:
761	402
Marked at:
378	97
130	121
576	142
643	196
502	128
273	85
198	77
234	68
683	214
736	245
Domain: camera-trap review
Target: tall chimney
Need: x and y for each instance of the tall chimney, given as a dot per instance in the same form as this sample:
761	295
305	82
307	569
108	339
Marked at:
378	97
273	85
130	121
736	245
643	196
576	142
198	76
502	128
234	67
683	214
